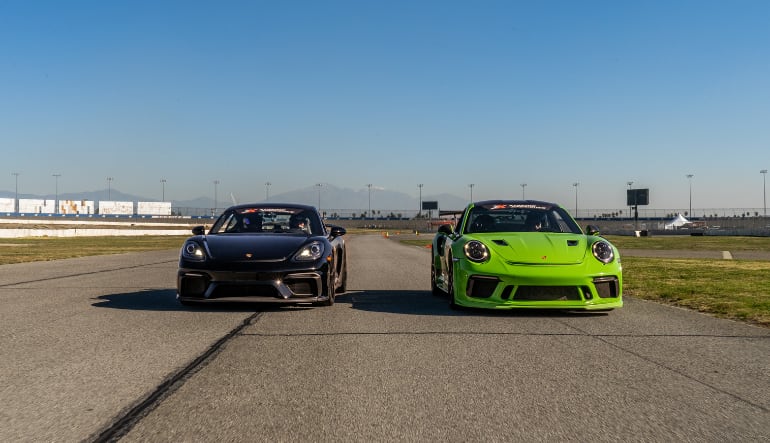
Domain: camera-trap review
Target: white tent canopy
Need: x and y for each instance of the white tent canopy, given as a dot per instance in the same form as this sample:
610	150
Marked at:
678	221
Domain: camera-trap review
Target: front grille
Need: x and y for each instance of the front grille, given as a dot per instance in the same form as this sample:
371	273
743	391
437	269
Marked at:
546	293
607	287
481	287
245	291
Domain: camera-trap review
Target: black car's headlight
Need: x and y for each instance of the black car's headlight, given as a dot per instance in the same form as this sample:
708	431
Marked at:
310	252
193	251
603	251
476	251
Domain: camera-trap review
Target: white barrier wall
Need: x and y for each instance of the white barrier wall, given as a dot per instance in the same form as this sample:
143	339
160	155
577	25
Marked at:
153	208
107	207
7	205
76	207
36	206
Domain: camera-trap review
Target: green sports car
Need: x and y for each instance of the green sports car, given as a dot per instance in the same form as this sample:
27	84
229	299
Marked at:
506	254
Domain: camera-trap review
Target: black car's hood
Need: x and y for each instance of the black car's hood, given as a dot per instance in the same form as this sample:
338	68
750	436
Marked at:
270	247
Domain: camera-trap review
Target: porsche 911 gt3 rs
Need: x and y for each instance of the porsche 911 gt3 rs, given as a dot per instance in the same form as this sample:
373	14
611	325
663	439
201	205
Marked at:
505	254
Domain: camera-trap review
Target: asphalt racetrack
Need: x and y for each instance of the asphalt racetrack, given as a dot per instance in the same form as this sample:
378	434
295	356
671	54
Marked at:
97	349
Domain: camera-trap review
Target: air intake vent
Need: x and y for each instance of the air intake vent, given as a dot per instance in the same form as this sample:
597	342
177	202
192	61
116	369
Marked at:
500	242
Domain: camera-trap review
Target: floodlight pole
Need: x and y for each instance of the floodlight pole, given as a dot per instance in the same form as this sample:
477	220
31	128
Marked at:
471	187
56	199
419	208
319	185
16	195
267	191
764	189
163	192
216	203
576	184
523	185
369	185
689	177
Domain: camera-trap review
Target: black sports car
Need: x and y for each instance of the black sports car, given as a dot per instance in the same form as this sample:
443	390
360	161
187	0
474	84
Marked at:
268	252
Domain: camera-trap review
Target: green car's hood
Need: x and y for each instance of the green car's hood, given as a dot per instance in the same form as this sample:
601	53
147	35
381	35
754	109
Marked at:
537	248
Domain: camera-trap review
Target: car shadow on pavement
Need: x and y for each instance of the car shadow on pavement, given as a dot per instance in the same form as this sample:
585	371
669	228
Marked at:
165	300
425	303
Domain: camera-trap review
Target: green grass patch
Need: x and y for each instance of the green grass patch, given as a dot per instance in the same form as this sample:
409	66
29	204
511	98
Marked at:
691	243
734	289
21	250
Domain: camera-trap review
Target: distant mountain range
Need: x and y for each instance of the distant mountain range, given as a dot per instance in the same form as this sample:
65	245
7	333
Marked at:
331	198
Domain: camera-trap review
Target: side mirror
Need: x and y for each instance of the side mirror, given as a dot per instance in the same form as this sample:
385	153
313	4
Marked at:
337	231
592	230
445	229
199	230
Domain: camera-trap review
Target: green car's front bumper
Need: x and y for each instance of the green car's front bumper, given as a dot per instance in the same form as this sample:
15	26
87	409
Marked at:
494	285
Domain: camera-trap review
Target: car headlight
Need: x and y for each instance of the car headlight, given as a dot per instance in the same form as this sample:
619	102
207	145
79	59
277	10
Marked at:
603	251
476	251
310	252
193	251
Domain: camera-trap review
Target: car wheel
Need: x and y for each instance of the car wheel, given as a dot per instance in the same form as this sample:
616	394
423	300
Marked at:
344	279
433	288
329	290
451	284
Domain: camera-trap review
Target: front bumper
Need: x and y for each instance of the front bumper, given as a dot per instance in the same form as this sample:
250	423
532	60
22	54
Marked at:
288	287
573	287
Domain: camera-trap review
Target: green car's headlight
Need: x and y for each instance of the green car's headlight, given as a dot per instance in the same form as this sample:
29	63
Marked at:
311	251
603	251
193	251
476	251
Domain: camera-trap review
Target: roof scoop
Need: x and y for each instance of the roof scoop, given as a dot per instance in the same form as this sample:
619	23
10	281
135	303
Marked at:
500	242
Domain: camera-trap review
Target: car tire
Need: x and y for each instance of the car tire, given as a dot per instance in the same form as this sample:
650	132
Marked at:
435	290
343	287
329	290
451	284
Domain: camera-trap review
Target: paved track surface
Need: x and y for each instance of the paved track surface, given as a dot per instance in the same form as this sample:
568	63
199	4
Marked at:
97	349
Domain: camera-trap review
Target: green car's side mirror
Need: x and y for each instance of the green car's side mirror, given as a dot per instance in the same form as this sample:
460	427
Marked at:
445	229
592	230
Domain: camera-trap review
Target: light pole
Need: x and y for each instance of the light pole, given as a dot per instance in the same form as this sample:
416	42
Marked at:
216	203
523	185
419	208
319	185
629	183
576	184
764	189
109	187
689	177
369	185
16	196
267	191
56	199
471	187
163	192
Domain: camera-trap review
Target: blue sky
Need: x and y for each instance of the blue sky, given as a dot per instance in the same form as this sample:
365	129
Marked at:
393	93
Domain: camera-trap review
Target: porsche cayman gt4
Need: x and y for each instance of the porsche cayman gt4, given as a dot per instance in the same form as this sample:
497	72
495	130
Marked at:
275	253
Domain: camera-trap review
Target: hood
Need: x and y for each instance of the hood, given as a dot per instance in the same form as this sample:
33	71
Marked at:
271	247
537	248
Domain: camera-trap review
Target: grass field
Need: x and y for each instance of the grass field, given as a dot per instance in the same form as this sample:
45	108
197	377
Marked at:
735	289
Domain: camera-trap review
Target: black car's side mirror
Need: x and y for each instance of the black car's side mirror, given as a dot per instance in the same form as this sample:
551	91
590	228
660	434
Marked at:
445	229
337	231
199	230
592	230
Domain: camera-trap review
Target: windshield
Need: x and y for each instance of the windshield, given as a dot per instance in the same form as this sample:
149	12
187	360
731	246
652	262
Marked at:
519	218
272	220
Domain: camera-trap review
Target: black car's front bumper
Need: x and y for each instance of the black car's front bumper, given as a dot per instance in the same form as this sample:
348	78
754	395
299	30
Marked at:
306	286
